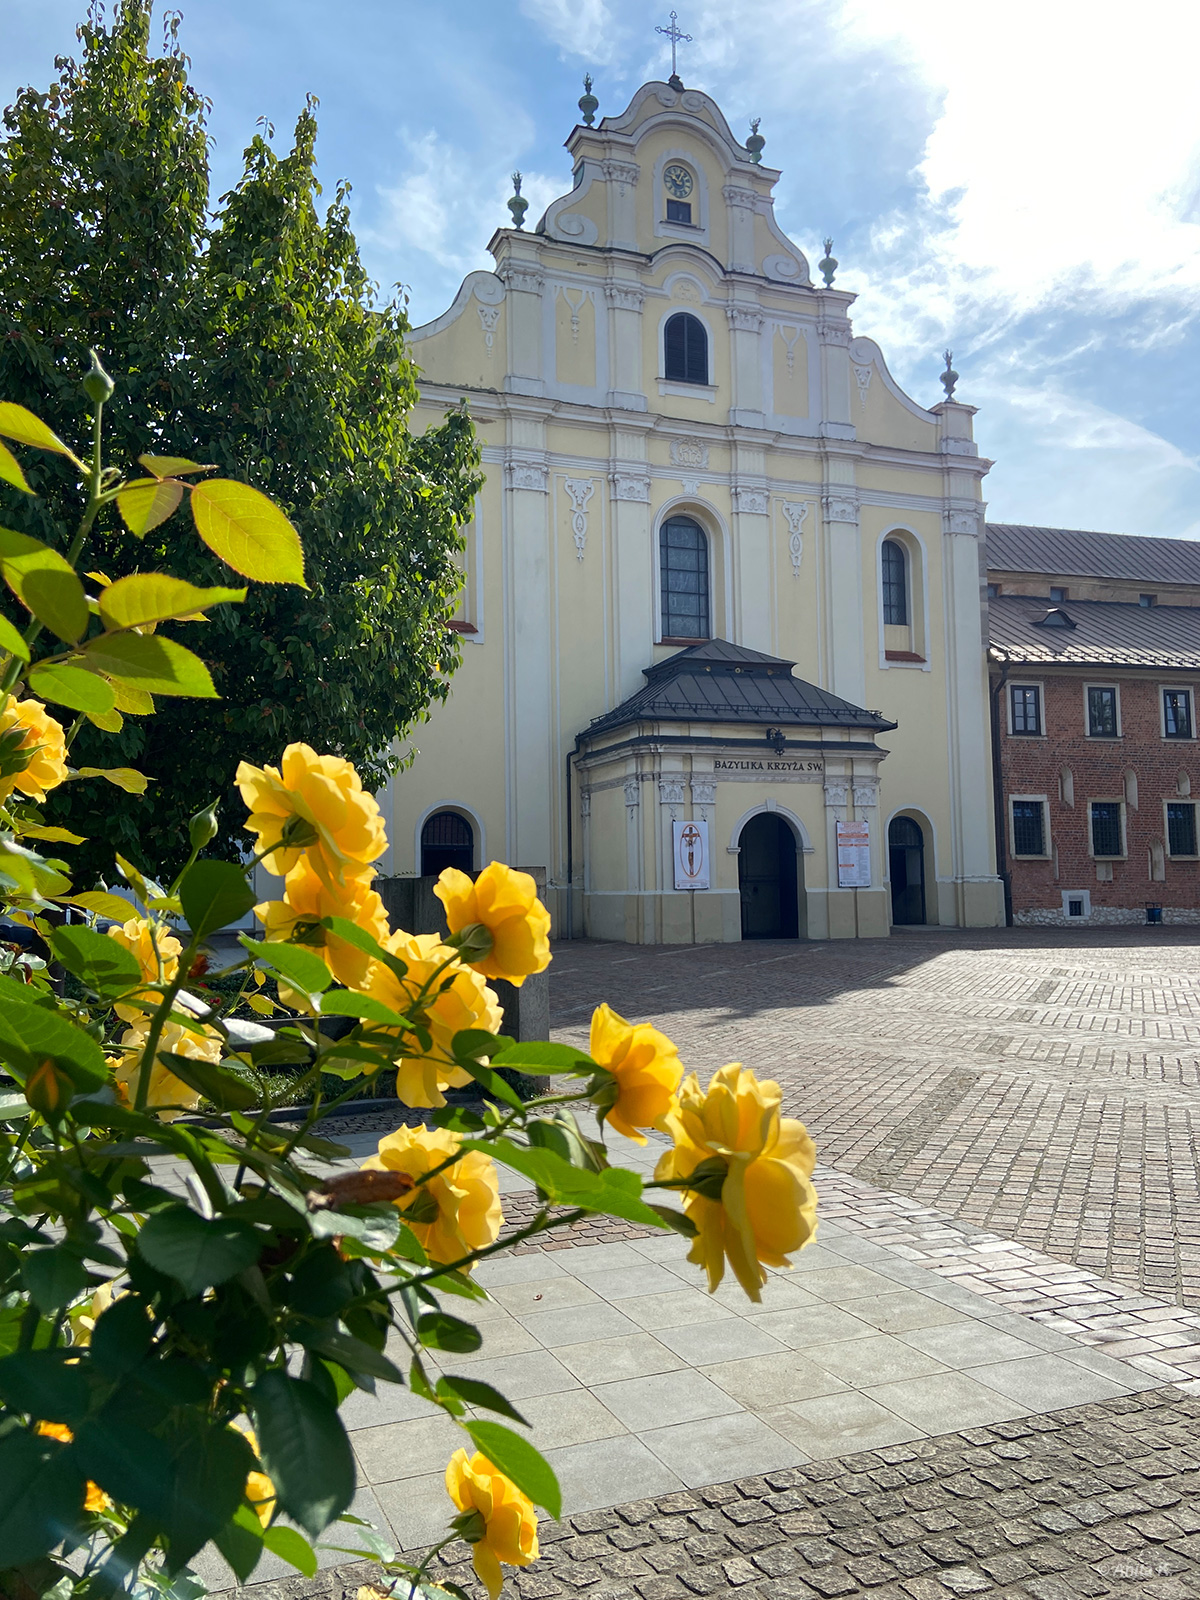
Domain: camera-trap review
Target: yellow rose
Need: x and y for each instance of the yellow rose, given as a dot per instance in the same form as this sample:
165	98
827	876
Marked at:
506	1516
259	1490
157	952
454	1213
646	1067
307	900
44	744
95	1499
165	1088
83	1319
341	826
754	1201
457	998
506	903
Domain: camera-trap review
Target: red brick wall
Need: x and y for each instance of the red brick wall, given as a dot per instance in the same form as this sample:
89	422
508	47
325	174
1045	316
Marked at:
1032	766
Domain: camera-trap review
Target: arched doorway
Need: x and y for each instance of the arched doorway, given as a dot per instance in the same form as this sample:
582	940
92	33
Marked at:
769	879
447	840
906	868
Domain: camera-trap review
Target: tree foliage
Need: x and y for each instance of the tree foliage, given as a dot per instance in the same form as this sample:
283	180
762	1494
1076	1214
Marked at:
257	330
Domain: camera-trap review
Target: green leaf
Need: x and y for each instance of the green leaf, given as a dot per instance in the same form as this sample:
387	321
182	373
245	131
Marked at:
226	1091
198	1251
438	1330
54	594
302	968
23	427
147	597
517	1459
125	1459
121	1337
477	1393
40	1383
11	641
25	873
248	532
495	1085
30	1035
151	662
211	1466
41	1497
105	966
172	466
10	470
377	1227
616	1192
293	1548
53	1277
36	830
65	685
352	1003
538	1058
357	1356
240	1541
113	906
145	503
304	1450
214	894
127	778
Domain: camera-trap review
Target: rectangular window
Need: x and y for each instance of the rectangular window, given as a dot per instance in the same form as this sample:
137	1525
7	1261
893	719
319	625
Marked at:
993	589
679	211
1181	827
1057	596
1102	713
1026	708
1147	600
1177	713
1029	828
1106	828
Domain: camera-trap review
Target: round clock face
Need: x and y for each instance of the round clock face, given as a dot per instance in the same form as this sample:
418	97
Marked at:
678	181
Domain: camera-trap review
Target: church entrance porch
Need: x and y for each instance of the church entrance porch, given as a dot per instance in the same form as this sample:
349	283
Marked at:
770	879
906	868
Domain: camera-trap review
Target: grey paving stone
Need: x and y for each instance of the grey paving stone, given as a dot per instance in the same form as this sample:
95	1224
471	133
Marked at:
676	1309
503	1269
704	1343
946	1403
842	1284
904	1310
574	1416
623	1283
519	1376
406	1449
812	1325
534	1295
578	1324
608	1471
762	1382
736	1446
609	1360
968	1343
1046	1382
665	1398
878	1359
833	1425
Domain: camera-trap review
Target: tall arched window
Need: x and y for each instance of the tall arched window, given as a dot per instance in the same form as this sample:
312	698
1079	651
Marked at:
447	840
685	349
895	583
684	553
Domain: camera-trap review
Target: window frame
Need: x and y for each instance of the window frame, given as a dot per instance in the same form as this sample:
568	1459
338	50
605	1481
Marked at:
1164	689
1181	855
889	542
1029	855
690	383
663	636
1058	595
1039	689
1106	738
1123	853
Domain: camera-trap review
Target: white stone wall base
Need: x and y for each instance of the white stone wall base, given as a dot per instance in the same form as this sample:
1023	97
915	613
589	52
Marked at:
1106	916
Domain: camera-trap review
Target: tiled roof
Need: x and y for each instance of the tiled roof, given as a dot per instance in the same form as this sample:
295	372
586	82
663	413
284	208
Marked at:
1063	552
722	682
1105	633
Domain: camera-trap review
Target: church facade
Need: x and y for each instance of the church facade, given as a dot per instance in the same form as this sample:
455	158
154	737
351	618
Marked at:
723	616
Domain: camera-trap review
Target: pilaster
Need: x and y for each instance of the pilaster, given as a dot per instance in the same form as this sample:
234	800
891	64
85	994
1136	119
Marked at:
625	301
844	599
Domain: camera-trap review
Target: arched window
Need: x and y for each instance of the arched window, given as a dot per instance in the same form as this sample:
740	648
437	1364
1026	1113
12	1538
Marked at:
447	840
684	553
685	349
895	583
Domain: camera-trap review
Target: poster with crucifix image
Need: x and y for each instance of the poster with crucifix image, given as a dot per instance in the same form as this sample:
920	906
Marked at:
691	854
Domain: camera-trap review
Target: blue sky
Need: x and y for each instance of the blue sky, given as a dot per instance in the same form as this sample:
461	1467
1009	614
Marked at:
1018	178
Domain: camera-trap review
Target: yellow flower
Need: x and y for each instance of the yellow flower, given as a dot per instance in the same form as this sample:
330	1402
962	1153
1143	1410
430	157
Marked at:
506	903
340	825
83	1319
754	1201
259	1490
507	1517
165	1088
157	951
44	742
308	899
457	998
454	1213
95	1498
645	1065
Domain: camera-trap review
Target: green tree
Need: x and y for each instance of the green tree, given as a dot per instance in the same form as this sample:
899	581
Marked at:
257	330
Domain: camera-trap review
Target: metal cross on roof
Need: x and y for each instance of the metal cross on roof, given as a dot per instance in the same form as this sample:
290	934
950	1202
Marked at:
677	36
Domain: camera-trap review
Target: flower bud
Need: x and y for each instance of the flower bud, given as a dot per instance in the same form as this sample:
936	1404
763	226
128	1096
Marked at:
202	828
473	943
97	384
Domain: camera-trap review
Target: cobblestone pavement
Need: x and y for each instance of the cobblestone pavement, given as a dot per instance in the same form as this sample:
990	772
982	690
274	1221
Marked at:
1037	1083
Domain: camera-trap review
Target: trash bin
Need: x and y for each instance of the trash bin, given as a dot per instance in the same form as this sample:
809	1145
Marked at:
1153	912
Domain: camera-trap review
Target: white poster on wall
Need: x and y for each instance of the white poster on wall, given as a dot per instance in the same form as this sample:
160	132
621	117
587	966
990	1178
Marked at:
854	855
691	854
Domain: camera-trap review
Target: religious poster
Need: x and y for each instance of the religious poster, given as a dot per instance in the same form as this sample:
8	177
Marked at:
691	854
854	855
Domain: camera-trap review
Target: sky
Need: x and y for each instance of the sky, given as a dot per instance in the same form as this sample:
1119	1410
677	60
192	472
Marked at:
1016	179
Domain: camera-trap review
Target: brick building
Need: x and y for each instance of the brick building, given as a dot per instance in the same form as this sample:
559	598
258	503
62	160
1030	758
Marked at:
1094	656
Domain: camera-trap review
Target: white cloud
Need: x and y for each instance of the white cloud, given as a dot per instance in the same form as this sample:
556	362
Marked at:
584	28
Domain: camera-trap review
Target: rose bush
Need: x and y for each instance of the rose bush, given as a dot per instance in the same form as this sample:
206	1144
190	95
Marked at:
173	1360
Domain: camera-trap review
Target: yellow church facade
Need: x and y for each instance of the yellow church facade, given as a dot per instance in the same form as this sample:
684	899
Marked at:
722	614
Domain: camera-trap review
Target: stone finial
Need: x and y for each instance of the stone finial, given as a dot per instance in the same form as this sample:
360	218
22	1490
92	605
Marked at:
518	205
754	144
828	266
949	377
588	101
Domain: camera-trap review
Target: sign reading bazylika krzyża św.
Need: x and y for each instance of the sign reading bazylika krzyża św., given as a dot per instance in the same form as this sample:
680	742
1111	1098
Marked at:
854	855
690	840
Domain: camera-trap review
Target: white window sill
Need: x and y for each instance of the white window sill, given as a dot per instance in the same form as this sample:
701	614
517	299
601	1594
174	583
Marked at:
691	391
